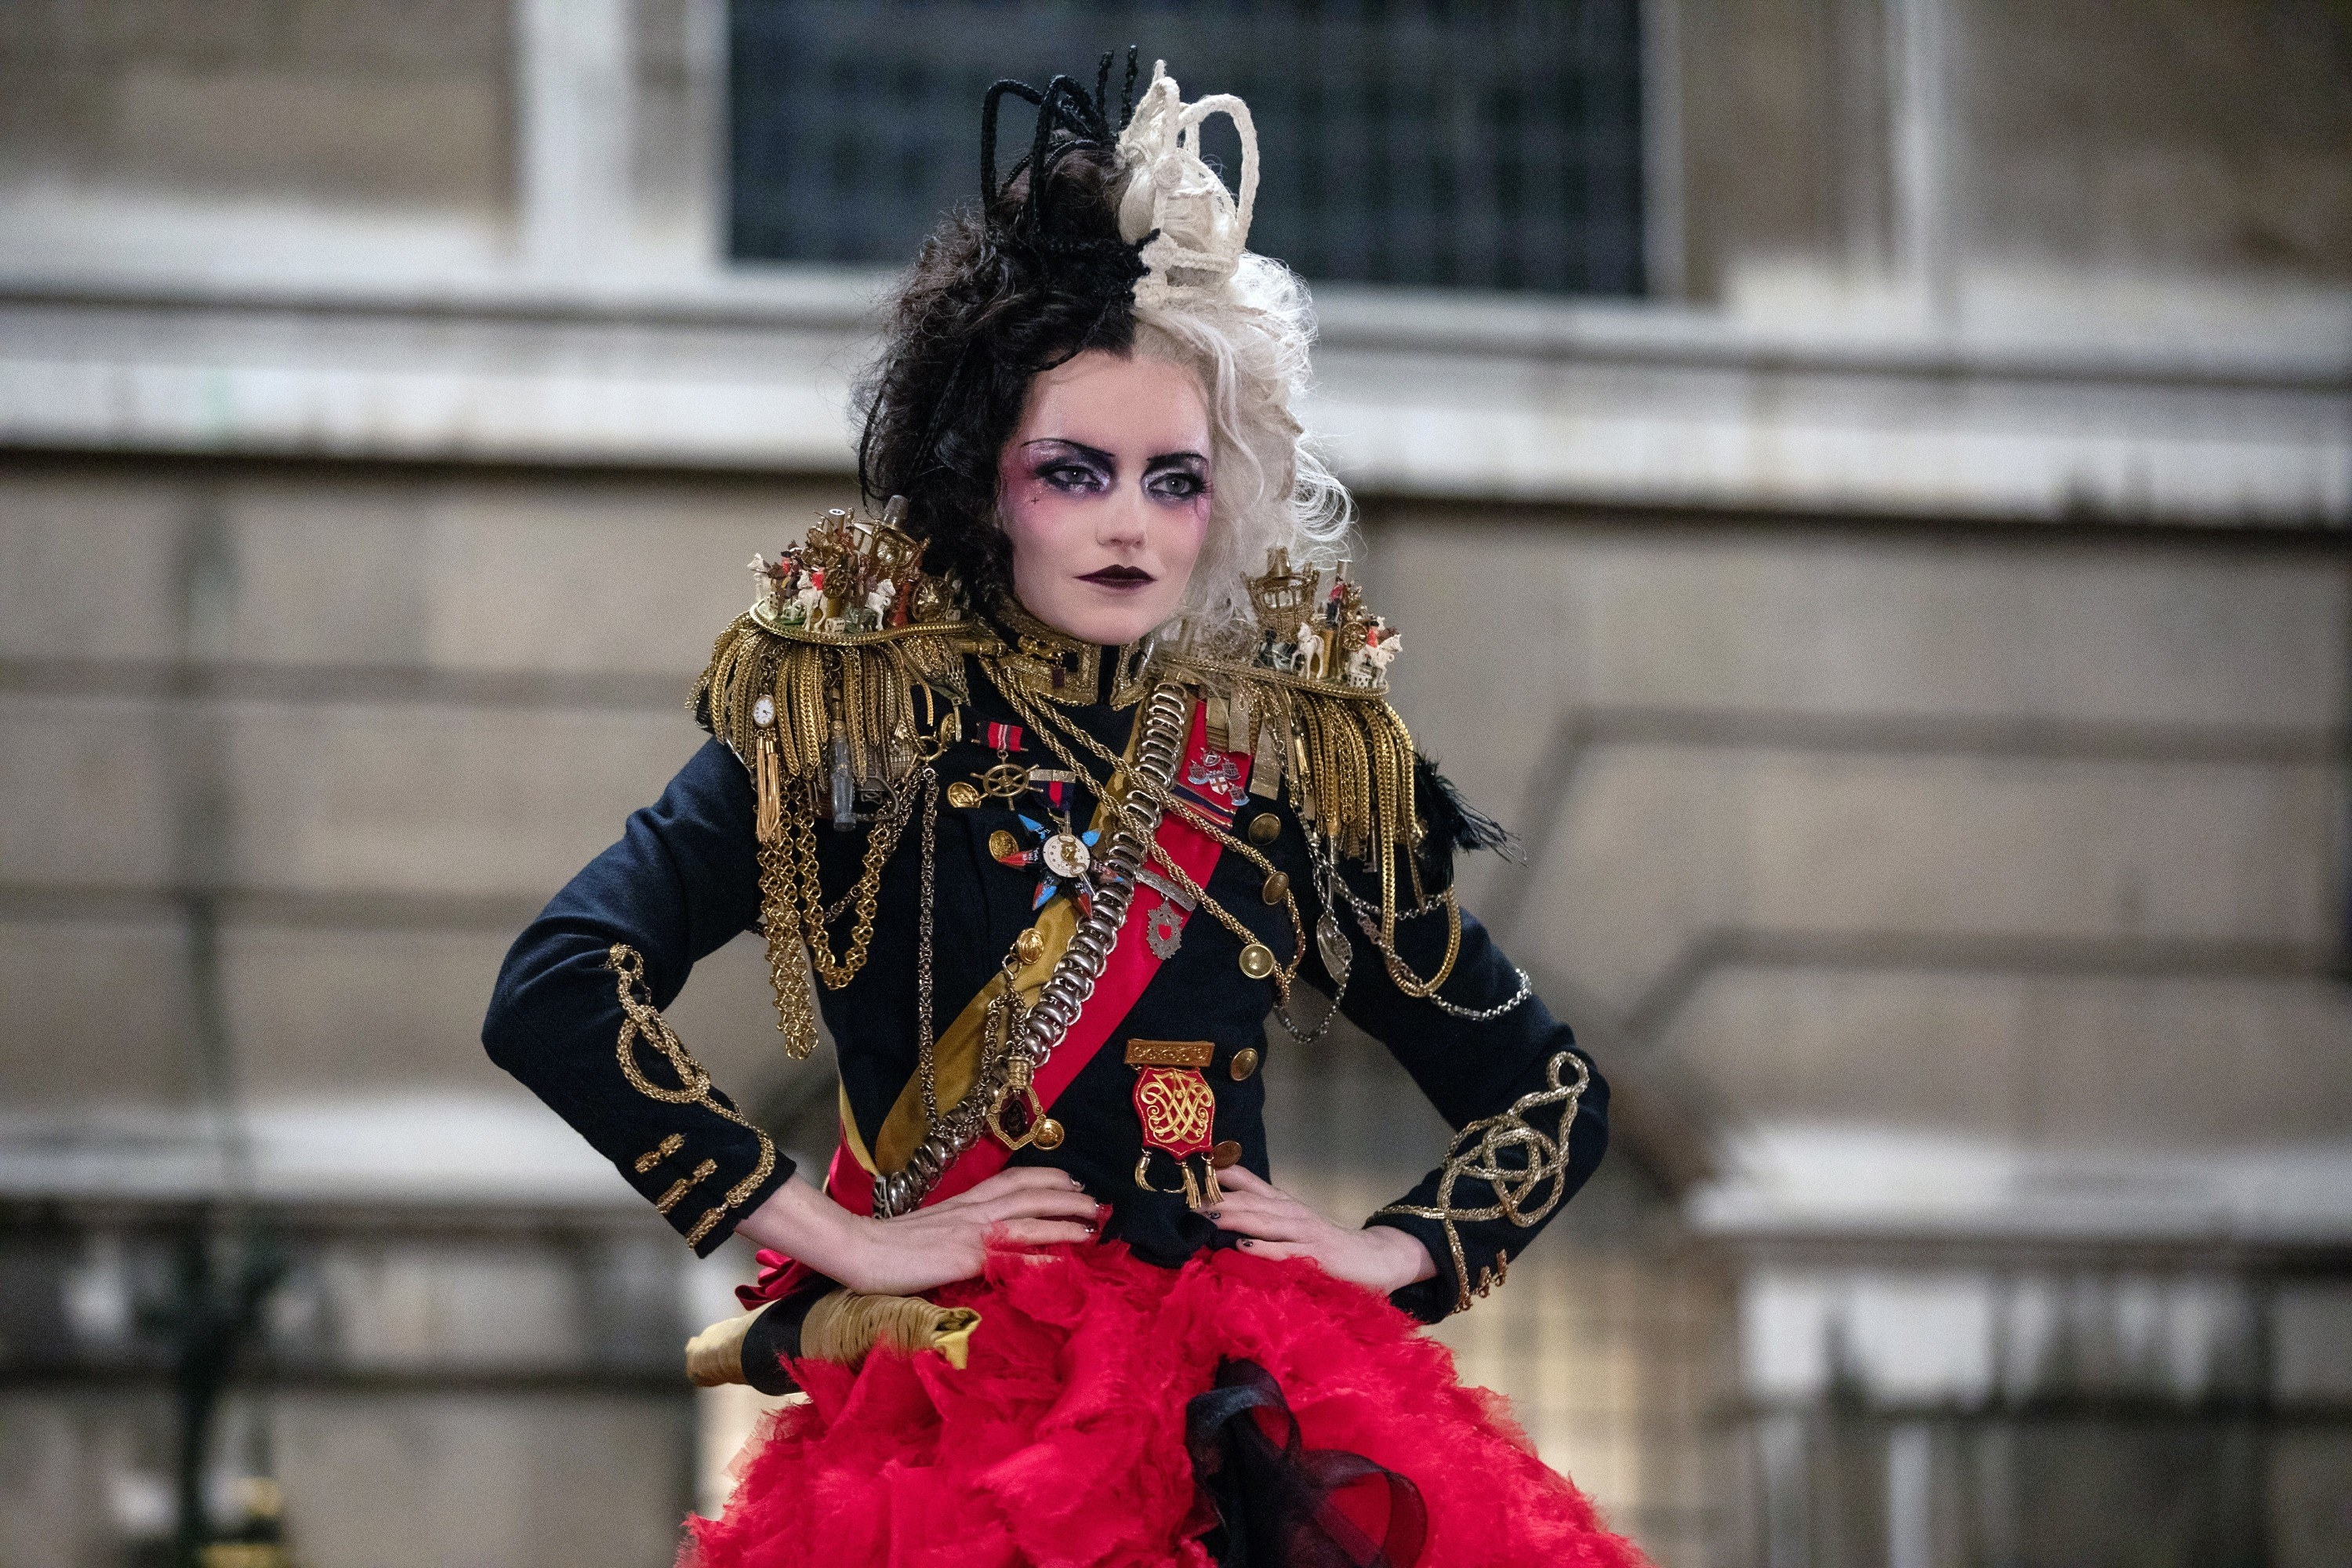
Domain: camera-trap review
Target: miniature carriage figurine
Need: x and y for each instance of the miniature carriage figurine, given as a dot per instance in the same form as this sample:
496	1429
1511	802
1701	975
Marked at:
852	575
1322	636
1283	599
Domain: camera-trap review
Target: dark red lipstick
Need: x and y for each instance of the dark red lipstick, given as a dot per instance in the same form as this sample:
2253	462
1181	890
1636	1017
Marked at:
1119	577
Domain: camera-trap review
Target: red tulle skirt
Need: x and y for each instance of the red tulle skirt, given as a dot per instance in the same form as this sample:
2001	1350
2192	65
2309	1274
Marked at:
1062	1444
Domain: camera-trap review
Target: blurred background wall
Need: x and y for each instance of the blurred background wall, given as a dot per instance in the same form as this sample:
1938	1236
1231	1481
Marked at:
1866	482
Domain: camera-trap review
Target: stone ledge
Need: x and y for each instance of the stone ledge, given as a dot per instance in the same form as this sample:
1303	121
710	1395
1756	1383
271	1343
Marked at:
1484	399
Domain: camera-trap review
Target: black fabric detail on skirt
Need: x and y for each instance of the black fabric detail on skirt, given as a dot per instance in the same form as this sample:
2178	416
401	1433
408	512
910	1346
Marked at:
1275	1501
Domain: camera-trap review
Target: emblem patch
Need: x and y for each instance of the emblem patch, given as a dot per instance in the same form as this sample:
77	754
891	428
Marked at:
1177	1109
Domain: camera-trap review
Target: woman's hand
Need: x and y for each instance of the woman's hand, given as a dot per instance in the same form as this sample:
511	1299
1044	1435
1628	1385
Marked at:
1028	1205
1379	1257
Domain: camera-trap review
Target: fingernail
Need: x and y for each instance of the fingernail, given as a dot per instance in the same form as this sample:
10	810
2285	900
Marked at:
1214	1213
1249	1244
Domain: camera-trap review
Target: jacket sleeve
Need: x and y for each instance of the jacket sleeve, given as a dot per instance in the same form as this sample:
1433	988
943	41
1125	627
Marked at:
1526	1135
576	1013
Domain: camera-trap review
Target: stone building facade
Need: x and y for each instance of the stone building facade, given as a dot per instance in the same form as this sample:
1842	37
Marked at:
1924	682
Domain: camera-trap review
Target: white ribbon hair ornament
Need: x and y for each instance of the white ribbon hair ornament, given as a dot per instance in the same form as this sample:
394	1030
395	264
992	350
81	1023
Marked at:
1202	231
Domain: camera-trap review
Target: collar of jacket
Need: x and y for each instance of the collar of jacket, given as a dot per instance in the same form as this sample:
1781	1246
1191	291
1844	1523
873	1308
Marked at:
1044	661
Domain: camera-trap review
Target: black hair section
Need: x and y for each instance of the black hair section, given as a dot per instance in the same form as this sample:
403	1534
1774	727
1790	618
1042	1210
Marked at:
1033	276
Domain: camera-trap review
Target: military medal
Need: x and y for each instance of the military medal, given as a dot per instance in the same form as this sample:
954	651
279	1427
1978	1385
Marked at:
1063	856
1006	780
1178	1112
1066	855
1163	923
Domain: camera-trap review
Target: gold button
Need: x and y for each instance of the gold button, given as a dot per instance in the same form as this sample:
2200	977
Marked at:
962	797
1244	1063
1276	889
1049	1135
1030	945
1002	845
1225	1154
1257	961
1265	827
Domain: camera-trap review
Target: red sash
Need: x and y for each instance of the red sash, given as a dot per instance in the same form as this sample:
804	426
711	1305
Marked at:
1213	781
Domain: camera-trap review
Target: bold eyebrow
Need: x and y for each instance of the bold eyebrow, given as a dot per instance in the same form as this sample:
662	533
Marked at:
1166	458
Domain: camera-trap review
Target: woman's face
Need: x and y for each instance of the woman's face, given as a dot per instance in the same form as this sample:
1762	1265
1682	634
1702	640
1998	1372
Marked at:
1104	490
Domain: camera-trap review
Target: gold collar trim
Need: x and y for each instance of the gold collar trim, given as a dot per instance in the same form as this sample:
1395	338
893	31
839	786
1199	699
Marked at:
1044	661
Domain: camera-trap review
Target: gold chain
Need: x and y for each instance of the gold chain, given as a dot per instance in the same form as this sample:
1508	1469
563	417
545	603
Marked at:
1407	982
788	975
807	890
926	1053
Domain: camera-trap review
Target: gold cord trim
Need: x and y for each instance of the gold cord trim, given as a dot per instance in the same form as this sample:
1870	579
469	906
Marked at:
684	1184
1524	1194
641	1023
659	1152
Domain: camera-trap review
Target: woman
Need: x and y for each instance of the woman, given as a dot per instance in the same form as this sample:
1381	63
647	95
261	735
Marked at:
1049	790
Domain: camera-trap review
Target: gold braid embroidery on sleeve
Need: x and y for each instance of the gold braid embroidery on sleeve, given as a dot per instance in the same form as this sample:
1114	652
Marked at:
1524	1193
641	1021
658	1152
684	1184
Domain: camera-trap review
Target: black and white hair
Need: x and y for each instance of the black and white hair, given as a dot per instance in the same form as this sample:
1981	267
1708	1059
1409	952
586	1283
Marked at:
1108	241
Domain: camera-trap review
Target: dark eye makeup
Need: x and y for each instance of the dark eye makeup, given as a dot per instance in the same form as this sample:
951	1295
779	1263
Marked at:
1076	468
1180	477
1071	468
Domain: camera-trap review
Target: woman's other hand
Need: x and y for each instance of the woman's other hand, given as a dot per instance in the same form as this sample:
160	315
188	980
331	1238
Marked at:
1026	1205
1379	1257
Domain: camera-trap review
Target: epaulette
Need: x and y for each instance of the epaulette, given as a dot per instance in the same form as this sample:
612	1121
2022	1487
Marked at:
845	666
846	674
1309	702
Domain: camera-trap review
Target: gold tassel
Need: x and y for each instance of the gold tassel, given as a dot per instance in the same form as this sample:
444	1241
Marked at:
769	774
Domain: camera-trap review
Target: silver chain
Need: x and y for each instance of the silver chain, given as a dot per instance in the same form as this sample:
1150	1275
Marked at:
924	1052
1328	878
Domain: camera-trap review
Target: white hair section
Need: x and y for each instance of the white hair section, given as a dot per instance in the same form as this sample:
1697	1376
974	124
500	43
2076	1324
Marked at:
1243	324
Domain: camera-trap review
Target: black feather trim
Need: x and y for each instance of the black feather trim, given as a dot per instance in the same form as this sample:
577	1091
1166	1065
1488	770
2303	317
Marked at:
1454	822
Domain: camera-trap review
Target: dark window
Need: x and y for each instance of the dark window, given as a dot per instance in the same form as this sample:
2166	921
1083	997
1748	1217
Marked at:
1493	145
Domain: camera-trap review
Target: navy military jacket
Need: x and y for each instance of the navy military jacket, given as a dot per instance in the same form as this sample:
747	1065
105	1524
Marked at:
682	882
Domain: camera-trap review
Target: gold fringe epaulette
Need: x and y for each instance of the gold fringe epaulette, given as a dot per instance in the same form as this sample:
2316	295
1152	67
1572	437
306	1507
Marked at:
1309	704
1311	700
1346	754
790	693
846	674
